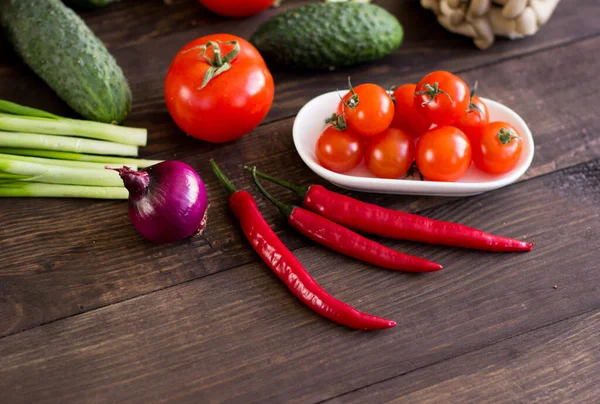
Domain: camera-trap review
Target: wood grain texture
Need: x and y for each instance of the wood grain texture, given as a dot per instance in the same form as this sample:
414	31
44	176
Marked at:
426	44
559	363
239	335
204	321
148	35
84	255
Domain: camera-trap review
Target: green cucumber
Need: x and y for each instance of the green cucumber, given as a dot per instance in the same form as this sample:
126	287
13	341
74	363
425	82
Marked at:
60	48
327	35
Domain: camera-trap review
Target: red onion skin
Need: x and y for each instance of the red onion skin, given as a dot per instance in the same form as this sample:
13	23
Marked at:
167	201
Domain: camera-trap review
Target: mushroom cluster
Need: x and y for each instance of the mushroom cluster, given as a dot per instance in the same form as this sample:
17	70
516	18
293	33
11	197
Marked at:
482	20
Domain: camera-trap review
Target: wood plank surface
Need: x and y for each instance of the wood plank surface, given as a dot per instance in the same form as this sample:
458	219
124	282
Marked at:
85	254
425	45
240	336
144	37
559	363
90	312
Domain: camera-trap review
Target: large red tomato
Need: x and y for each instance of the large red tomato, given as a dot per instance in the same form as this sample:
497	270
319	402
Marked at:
237	8
221	100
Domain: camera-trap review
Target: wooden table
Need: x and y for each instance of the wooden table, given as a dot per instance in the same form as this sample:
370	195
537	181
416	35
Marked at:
90	312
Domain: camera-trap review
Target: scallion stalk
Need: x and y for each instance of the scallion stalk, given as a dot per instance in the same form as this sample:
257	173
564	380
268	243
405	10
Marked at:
32	189
12	108
60	175
51	154
63	143
64	163
73	127
12	177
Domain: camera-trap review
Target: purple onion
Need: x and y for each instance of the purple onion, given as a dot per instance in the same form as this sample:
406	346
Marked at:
167	201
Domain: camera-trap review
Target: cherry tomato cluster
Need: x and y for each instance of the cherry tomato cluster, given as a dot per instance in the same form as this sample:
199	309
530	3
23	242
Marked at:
438	124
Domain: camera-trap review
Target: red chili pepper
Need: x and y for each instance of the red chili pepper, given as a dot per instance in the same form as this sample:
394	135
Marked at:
285	265
373	219
345	241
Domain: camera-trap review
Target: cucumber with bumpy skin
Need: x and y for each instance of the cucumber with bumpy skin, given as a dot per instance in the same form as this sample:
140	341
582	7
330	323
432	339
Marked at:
327	35
60	48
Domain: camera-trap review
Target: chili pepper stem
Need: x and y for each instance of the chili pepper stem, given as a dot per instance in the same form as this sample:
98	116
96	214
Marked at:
222	178
285	209
298	190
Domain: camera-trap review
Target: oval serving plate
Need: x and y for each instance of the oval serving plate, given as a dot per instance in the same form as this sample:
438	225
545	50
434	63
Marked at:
309	124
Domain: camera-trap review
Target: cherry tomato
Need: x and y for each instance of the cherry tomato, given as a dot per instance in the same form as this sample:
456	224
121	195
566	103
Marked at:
390	154
443	154
441	98
232	103
339	151
406	116
499	148
369	110
237	8
474	120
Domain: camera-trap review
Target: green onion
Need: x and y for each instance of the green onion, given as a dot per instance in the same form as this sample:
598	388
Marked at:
12	177
37	121
64	163
42	155
80	157
72	127
61	175
32	189
63	143
8	107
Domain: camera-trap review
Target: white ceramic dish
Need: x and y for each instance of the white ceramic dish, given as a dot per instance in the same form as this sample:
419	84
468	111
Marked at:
309	124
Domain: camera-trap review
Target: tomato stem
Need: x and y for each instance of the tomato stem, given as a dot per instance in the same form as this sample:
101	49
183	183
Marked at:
506	135
390	92
432	91
353	101
219	63
474	89
414	170
472	106
331	119
285	209
338	122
